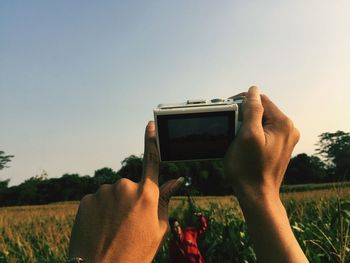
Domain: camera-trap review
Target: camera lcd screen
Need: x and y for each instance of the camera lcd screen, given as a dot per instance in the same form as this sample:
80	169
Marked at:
195	136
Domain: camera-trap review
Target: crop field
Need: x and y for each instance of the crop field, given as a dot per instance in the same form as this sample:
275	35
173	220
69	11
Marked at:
320	220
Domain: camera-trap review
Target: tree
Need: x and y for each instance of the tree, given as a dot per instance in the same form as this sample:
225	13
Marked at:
3	189
335	149
131	168
105	175
4	184
4	159
304	169
27	193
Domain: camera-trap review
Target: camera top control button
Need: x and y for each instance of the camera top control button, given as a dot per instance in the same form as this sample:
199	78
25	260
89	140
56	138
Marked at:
239	99
217	100
196	101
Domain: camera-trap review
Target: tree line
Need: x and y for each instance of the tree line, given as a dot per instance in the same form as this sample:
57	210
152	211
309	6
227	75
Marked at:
331	163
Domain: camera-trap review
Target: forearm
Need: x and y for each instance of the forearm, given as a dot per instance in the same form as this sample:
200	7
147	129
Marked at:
270	230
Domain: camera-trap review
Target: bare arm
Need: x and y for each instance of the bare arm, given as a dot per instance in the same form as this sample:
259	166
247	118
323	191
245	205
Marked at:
255	164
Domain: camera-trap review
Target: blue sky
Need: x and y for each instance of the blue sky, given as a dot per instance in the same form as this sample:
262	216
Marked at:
79	79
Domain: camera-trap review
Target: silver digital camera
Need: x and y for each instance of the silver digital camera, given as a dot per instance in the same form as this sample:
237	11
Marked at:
197	129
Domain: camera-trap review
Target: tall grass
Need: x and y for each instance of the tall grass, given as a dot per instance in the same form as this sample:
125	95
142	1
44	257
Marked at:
35	233
320	220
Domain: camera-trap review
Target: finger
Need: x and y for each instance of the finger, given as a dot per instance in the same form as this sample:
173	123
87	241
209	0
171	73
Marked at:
150	156
276	120
167	190
238	95
271	111
252	108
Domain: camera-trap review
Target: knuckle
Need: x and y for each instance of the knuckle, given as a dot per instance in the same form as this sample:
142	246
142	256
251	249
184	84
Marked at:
86	200
103	189
248	134
123	185
149	196
255	108
152	157
286	125
296	135
103	192
290	131
289	124
151	142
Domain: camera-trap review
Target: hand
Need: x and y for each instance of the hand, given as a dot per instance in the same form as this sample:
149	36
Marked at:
126	221
256	161
255	164
197	213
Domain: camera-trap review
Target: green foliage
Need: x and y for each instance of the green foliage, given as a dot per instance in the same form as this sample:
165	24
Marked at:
324	232
4	159
335	148
4	184
305	169
313	187
322	228
207	176
106	175
189	219
131	168
321	225
225	241
42	190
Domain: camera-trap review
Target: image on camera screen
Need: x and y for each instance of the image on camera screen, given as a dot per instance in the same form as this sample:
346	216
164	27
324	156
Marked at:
195	136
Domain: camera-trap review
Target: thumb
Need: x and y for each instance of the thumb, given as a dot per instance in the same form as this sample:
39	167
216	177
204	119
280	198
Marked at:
167	190
252	108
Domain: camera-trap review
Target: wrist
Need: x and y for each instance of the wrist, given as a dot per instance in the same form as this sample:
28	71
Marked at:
256	197
267	219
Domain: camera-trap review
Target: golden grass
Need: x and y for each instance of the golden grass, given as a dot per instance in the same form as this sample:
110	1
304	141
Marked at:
36	233
341	192
29	232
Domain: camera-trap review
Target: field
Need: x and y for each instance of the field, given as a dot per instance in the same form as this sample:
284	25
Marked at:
320	220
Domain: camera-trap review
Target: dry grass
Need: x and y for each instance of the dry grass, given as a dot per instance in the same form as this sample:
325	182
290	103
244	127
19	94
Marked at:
31	233
342	192
41	233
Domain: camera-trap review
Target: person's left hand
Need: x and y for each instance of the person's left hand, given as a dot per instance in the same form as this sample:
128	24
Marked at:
126	221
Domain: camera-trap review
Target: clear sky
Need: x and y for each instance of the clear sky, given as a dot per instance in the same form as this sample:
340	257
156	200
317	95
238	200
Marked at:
79	79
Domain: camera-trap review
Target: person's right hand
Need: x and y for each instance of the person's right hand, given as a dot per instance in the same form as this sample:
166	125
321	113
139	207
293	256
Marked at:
255	164
257	159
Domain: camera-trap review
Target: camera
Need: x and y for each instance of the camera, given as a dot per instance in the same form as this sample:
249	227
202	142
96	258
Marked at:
197	129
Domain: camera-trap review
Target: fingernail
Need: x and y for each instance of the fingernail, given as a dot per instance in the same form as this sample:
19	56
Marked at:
151	126
254	93
150	123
